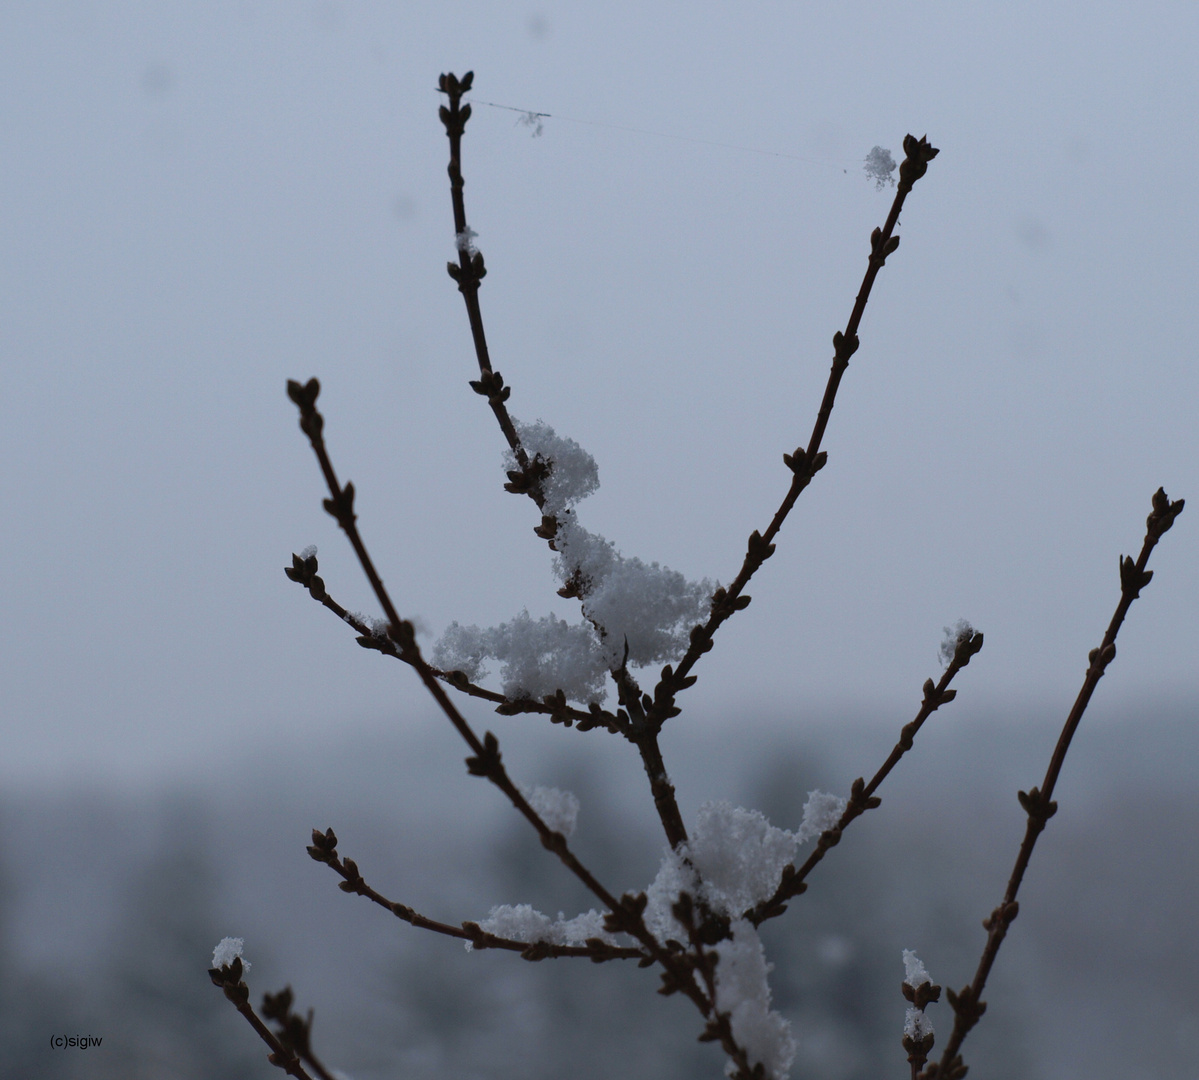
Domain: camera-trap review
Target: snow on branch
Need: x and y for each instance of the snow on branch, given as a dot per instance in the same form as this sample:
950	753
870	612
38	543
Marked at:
651	606
739	855
229	949
733	860
743	992
573	473
558	809
538	656
954	636
624	600
821	812
915	974
523	923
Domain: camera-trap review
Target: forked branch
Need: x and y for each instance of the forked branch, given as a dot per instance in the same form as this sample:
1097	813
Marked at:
1038	802
229	978
624	914
324	850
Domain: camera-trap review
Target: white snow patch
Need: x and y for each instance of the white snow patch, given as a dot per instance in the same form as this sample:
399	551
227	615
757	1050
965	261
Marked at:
523	923
916	1024
573	473
739	855
743	992
821	812
674	876
879	166
733	860
538	657
960	631
558	809
227	950
915	973
465	241
650	606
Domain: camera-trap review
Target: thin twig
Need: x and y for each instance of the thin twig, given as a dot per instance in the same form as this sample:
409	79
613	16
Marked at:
229	978
861	796
303	570
324	850
293	1030
469	272
624	914
805	462
1038	803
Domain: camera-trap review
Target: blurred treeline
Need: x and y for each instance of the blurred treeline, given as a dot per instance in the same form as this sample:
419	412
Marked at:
111	903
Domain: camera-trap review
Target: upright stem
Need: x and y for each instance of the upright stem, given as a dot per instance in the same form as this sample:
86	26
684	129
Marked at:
967	1004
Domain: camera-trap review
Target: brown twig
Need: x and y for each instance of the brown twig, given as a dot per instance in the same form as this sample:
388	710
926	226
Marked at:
303	570
920	1043
468	272
646	714
861	796
324	850
229	978
1038	803
293	1030
805	462
624	914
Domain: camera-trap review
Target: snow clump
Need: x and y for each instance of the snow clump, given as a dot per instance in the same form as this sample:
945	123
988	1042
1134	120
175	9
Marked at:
558	809
539	656
465	241
914	972
733	860
227	950
916	1024
624	600
651	607
523	923
739	855
821	812
573	473
954	636
743	992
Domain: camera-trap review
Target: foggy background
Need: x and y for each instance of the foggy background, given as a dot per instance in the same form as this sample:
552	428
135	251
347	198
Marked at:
198	202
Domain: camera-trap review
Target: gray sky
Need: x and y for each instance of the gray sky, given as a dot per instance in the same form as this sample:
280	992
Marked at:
199	201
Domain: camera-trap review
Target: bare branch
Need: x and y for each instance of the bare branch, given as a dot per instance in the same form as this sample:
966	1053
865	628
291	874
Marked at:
861	795
324	850
1038	803
804	463
229	978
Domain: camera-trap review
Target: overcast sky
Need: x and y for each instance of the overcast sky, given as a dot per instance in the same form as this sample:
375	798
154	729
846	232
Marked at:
199	201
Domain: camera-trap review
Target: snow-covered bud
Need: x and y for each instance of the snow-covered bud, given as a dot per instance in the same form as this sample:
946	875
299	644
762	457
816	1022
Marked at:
920	990
228	950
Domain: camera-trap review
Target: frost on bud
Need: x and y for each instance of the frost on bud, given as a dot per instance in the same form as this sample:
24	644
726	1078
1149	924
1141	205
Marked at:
821	813
228	950
919	990
916	1025
914	972
956	636
465	240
